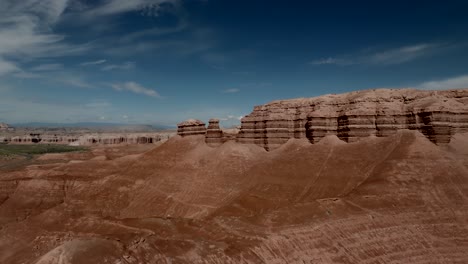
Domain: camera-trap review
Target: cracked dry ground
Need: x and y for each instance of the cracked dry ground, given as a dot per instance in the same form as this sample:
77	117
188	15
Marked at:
399	199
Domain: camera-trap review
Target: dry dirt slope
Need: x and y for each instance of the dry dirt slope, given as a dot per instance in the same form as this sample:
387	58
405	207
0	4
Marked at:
381	200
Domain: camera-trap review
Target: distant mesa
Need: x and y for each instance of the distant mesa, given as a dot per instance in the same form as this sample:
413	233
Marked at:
6	127
101	134
349	116
89	139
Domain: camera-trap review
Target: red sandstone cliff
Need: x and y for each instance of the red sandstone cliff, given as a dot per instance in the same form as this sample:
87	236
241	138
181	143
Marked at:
350	116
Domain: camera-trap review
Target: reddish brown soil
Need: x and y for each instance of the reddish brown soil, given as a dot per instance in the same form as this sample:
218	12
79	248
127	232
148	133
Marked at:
399	199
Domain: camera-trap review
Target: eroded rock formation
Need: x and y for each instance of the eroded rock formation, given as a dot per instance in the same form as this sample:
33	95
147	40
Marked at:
214	134
351	116
6	127
191	127
89	139
396	199
135	138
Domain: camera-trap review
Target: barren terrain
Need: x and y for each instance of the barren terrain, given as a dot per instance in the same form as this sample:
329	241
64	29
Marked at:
398	199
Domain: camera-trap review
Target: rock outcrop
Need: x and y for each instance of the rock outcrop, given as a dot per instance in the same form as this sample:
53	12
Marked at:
89	139
214	134
6	127
133	138
351	116
191	127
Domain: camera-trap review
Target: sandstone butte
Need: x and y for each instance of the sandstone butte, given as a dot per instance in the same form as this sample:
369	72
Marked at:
392	197
350	116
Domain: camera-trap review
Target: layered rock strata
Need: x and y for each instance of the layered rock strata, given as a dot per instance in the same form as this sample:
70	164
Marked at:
191	127
89	139
6	127
214	134
351	116
144	138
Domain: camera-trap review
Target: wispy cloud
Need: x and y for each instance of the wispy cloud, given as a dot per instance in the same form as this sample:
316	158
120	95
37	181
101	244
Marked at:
196	41
25	32
383	57
7	67
125	66
402	54
75	81
153	32
329	61
111	7
135	88
231	117
48	67
232	90
90	63
449	83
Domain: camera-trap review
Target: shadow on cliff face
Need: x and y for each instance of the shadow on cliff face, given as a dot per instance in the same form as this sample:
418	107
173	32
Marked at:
379	199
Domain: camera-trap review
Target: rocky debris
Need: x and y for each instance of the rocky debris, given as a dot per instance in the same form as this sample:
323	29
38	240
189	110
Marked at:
351	116
214	134
191	127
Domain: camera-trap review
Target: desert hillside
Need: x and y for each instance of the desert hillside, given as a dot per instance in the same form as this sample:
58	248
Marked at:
379	200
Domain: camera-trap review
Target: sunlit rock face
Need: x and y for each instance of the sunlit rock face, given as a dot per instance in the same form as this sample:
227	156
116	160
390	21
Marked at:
352	116
191	127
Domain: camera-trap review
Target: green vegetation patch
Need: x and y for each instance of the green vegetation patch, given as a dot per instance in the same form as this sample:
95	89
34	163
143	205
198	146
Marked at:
36	149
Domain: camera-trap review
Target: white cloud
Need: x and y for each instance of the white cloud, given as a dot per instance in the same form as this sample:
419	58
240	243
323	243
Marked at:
383	57
25	31
135	88
125	66
402	54
111	7
48	67
235	117
232	90
450	83
89	63
153	32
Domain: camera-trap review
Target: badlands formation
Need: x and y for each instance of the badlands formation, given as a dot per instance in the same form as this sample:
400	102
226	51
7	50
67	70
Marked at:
87	139
351	116
375	176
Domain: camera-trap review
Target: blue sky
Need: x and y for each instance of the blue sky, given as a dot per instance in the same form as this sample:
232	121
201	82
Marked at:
163	61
